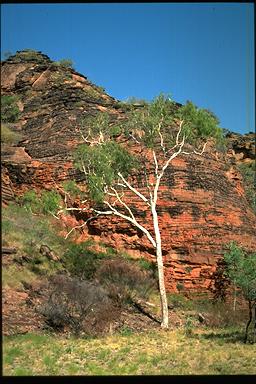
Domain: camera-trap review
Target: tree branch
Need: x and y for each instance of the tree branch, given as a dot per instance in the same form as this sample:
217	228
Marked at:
122	202
195	151
132	220
140	195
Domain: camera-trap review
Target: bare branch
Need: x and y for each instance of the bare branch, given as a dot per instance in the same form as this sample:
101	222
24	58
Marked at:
160	134
178	134
133	189
84	224
122	202
147	183
173	156
156	163
177	137
134	138
71	209
132	220
195	151
76	227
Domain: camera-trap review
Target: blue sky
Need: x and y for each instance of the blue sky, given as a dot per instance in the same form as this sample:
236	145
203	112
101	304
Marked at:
203	52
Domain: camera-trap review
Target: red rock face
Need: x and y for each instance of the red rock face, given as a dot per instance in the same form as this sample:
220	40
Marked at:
201	206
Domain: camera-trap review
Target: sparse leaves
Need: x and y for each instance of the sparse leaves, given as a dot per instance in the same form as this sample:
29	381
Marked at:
9	109
241	269
199	123
101	164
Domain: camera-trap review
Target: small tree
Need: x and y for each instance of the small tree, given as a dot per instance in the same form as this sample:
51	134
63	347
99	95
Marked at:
241	270
9	109
156	136
67	63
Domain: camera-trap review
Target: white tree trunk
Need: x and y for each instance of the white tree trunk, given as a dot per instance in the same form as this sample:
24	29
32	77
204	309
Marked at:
160	268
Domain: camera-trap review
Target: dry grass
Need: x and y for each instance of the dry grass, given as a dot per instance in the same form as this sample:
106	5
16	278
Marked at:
155	353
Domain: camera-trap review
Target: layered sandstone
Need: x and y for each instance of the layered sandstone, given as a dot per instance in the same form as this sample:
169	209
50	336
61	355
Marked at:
202	205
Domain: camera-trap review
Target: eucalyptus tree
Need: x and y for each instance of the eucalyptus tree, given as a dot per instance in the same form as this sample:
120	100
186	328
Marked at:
161	133
241	270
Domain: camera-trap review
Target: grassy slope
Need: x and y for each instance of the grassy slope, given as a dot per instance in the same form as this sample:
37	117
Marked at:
205	351
154	353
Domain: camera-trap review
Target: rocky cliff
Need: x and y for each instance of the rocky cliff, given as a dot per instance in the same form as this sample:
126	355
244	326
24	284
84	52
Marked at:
202	204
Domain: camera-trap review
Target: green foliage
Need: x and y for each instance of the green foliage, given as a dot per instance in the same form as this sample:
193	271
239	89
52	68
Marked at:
9	109
71	188
96	126
81	261
28	232
241	270
8	136
152	119
102	164
31	201
48	202
199	123
28	55
248	172
67	63
159	116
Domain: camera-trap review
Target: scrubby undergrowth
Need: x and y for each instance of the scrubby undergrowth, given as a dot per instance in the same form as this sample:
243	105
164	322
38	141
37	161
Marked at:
110	302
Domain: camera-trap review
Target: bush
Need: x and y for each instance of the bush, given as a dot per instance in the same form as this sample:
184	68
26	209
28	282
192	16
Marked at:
125	280
31	201
48	202
8	136
9	109
81	261
241	270
67	63
71	188
81	306
200	123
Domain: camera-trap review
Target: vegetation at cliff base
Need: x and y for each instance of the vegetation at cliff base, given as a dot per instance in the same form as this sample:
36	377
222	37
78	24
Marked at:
241	270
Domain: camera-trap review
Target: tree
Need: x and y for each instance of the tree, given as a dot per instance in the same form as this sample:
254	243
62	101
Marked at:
241	270
67	63
9	109
156	136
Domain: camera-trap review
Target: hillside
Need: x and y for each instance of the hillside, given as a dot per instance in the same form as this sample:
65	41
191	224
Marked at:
202	204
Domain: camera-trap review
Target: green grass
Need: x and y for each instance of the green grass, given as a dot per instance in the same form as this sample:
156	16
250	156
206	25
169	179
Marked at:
154	353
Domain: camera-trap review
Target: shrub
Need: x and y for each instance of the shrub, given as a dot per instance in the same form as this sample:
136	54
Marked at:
71	188
67	63
125	280
241	270
9	109
8	136
48	202
81	261
199	123
81	306
30	201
